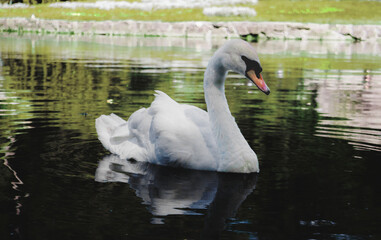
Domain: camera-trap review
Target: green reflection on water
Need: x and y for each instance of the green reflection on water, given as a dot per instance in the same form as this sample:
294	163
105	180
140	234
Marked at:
72	82
51	91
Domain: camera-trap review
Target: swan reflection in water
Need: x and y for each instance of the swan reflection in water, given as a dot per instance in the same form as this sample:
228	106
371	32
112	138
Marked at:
175	191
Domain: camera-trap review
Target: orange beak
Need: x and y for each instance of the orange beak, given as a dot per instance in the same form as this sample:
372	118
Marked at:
259	82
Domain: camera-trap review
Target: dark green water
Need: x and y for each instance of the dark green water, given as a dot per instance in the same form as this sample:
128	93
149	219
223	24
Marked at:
317	137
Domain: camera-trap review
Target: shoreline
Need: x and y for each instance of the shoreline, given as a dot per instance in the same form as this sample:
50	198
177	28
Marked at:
251	31
296	47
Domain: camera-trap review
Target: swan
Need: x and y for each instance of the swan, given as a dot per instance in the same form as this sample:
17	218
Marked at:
182	135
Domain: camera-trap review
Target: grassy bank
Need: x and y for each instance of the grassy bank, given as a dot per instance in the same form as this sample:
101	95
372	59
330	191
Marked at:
344	12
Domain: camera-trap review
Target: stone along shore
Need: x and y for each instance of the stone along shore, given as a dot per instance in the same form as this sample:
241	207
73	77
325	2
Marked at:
266	30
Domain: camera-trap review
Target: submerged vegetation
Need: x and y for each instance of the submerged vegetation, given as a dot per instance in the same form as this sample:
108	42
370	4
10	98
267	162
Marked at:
324	11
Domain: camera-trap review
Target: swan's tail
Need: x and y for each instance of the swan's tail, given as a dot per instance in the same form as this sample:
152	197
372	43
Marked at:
114	134
106	126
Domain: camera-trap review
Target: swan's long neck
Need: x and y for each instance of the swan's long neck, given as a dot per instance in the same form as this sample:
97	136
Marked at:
235	152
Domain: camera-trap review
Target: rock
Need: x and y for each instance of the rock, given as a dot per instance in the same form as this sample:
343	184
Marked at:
267	30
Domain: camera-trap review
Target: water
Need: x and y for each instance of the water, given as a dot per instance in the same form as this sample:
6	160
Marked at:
317	136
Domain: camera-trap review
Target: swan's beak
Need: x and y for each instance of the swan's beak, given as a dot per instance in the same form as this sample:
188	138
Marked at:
259	82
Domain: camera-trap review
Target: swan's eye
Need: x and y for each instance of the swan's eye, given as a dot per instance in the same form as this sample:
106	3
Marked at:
252	65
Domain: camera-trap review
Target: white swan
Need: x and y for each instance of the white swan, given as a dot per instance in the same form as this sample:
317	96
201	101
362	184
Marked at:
169	133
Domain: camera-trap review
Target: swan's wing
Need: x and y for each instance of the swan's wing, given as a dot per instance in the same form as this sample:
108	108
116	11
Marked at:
201	119
166	133
181	135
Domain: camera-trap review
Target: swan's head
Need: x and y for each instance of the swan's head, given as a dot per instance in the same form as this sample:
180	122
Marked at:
239	56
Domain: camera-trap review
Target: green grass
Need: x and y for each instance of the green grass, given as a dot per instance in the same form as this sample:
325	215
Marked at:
345	11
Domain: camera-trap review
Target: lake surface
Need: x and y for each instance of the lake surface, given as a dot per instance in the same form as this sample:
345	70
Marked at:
317	137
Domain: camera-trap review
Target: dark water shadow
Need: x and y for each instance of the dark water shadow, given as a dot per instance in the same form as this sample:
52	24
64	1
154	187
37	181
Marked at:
174	191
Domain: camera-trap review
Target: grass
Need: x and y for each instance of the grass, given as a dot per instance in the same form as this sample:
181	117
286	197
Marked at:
345	11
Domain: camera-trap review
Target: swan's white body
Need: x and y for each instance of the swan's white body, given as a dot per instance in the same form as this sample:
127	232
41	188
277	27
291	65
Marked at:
169	133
